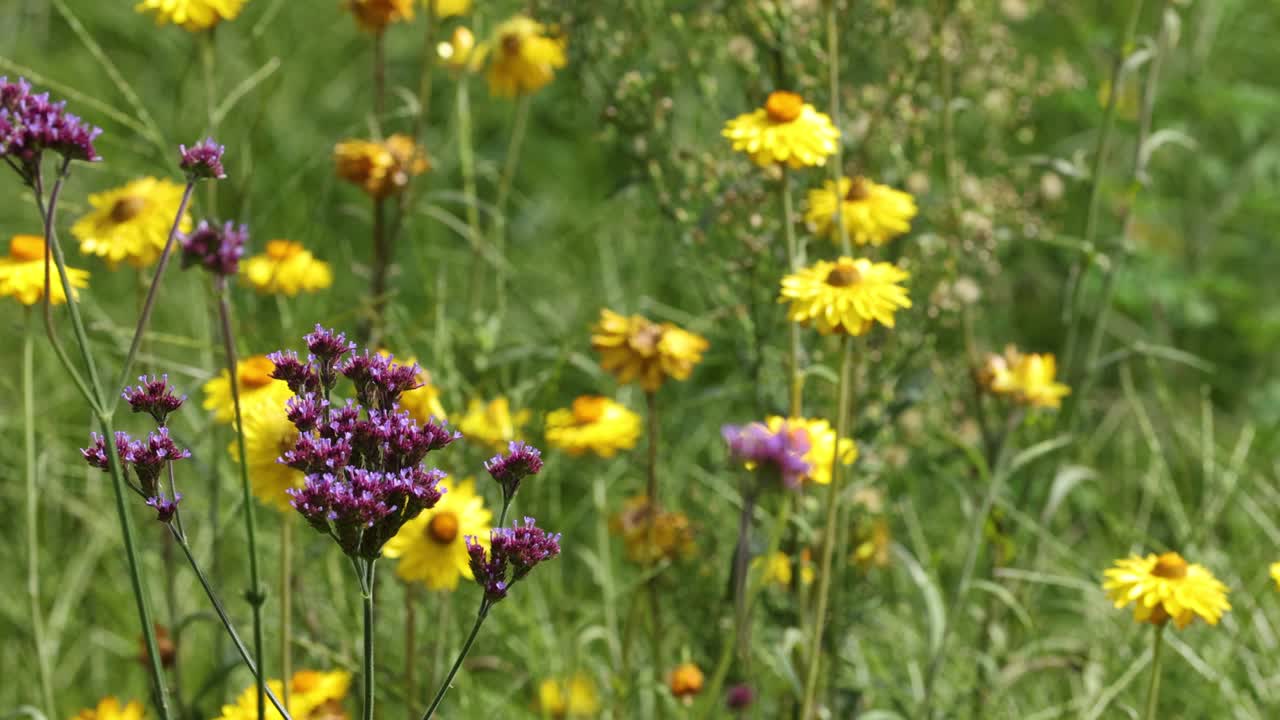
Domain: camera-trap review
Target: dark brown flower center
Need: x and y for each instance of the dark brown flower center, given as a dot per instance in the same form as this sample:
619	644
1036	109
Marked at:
127	208
511	44
858	190
1170	566
783	106
443	528
843	275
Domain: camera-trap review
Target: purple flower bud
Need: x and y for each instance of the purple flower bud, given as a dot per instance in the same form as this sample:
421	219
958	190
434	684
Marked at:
522	461
149	457
299	376
154	397
517	549
96	453
216	249
202	161
490	572
780	452
740	697
31	124
164	507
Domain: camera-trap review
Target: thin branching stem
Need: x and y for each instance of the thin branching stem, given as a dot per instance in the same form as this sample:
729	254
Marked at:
457	664
33	516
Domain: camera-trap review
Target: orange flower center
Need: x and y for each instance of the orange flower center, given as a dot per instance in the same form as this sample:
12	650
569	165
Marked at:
843	275
127	208
443	528
305	681
1170	566
255	372
589	408
26	247
858	190
783	106
282	249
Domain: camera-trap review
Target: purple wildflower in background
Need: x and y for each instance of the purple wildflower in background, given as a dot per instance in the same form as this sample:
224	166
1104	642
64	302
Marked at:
513	553
740	697
153	397
780	452
203	160
522	461
216	249
31	124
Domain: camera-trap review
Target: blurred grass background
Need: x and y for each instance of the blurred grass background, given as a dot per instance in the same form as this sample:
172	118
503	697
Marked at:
627	197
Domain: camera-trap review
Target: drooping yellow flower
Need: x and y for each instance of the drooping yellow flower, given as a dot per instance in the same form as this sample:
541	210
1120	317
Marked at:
568	698
685	682
22	273
256	386
651	533
787	130
448	8
871	544
637	349
822	445
491	424
525	57
131	223
286	268
1166	587
268	434
109	708
873	214
381	169
313	695
1275	573
376	15
1029	379
431	548
456	52
593	424
192	15
778	568
845	296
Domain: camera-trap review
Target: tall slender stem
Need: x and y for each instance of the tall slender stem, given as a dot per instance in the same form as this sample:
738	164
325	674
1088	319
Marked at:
1153	686
367	588
830	535
379	77
286	602
466	648
209	63
428	65
742	618
833	109
254	596
794	262
410	649
33	515
467	164
518	129
651	490
381	265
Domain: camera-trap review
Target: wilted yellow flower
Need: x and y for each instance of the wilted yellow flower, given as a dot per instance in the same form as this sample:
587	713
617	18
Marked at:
1030	379
1166	587
376	15
448	8
131	223
524	59
845	296
636	349
381	169
778	568
787	130
456	52
491	424
651	533
574	697
685	681
268	434
873	214
313	695
256	386
22	273
286	268
871	544
594	424
109	708
822	445
192	15
431	548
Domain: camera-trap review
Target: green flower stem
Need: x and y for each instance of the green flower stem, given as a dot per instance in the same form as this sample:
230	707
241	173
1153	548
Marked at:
381	265
1153	686
209	66
833	109
457	664
254	595
33	516
366	589
794	262
742	618
286	601
428	66
830	536
518	128
467	164
651	490
410	648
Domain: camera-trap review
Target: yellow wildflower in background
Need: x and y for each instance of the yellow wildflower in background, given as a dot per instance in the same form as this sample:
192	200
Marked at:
287	268
268	434
22	273
822	445
637	349
778	568
109	708
671	536
376	15
685	682
574	697
431	548
456	52
491	424
193	15
787	130
313	695
1275	573
422	402
524	58
871	544
593	424
131	223
381	169
1029	379
873	214
845	296
256	386
448	8
1166	587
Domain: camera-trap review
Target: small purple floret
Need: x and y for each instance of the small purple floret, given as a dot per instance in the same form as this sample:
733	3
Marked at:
300	376
522	461
202	161
216	249
96	454
781	452
31	124
515	550
153	397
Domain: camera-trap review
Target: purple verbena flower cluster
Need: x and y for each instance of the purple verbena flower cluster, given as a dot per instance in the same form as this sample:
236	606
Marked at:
148	458
31	124
521	461
153	397
363	459
203	160
781	453
216	249
513	552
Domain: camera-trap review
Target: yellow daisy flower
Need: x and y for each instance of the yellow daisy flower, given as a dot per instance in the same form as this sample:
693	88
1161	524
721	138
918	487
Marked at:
671	536
313	695
109	708
192	15
287	268
376	15
268	434
431	548
456	52
845	296
491	424
822	445
594	424
786	130
256	386
22	273
1166	587
423	403
873	214
381	169
1029	378
524	57
1275	573
637	349
565	698
448	8
131	223
777	568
